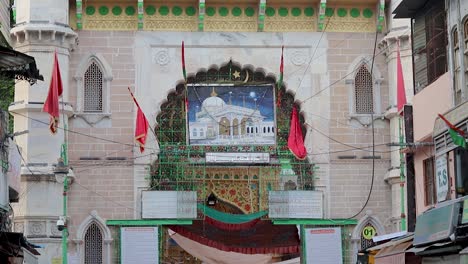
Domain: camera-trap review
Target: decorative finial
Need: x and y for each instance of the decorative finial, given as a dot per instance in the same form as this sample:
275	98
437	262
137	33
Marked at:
213	93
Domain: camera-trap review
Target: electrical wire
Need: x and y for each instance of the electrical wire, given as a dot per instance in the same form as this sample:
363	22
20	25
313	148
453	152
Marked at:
373	142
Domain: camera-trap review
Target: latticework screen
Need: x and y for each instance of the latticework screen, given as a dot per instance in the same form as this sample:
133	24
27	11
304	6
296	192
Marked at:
93	245
93	89
364	97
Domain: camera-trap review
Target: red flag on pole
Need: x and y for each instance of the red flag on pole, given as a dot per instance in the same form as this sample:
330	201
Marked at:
51	104
295	140
401	94
141	126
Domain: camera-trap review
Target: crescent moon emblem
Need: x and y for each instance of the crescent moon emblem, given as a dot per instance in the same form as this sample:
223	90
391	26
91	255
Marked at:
246	76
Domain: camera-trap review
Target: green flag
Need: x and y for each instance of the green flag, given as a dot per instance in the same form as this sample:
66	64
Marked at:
457	139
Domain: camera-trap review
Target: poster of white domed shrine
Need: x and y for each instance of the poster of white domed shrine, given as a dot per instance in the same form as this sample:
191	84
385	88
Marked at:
231	115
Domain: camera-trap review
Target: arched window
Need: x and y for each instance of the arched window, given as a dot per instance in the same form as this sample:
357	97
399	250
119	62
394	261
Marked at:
202	133
363	92
264	129
93	89
93	240
194	132
93	78
93	245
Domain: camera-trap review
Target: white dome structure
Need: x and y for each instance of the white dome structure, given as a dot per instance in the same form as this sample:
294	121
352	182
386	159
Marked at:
213	101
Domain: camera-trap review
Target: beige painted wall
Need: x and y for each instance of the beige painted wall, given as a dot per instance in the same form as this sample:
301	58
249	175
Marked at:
434	99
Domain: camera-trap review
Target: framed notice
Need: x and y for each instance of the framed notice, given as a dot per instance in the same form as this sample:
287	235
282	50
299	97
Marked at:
139	245
323	245
442	181
227	114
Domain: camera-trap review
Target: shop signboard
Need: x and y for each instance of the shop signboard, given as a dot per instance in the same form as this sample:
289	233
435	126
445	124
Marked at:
442	181
436	225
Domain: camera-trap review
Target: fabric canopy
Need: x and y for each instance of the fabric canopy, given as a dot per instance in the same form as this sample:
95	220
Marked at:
261	238
211	255
230	218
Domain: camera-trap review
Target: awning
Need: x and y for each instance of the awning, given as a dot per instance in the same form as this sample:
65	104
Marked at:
13	243
391	243
393	255
18	65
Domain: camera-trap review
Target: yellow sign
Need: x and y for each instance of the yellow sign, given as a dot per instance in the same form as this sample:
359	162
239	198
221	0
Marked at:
368	232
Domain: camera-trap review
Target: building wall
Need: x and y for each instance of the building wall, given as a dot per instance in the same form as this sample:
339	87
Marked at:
149	63
435	99
5	19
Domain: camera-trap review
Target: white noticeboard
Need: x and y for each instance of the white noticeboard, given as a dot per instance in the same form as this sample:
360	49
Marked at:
169	204
295	204
442	181
139	245
323	245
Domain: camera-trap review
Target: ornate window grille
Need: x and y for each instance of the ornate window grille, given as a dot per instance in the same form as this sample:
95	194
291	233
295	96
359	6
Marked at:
93	84
93	245
367	243
363	92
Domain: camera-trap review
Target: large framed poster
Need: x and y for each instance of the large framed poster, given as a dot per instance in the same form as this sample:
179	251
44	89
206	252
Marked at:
228	114
139	245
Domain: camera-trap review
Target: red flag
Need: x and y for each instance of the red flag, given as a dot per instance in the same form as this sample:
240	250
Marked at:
401	95
141	126
295	140
51	104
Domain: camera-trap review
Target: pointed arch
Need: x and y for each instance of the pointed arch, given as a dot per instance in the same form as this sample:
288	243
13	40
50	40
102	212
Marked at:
94	221
93	69
366	220
363	81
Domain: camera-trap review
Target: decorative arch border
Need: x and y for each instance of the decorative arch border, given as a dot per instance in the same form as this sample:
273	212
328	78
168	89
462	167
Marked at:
356	235
104	66
93	217
377	79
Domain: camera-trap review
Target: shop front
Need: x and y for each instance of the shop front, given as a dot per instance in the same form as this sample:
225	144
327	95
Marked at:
440	234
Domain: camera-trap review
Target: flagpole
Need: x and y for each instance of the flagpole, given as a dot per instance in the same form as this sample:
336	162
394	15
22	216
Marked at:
64	157
402	177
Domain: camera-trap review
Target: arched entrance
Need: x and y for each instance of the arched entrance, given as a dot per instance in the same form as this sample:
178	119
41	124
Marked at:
240	188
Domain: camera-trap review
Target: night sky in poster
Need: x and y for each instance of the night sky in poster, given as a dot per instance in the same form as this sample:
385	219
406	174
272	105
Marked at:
261	96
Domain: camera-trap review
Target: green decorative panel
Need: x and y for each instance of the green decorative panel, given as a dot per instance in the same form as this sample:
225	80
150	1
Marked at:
283	11
355	12
103	10
367	13
223	11
329	12
177	11
116	10
270	11
210	11
236	11
309	11
164	10
296	11
90	10
150	10
130	10
342	12
249	11
190	11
